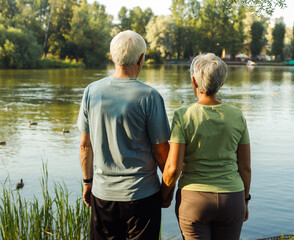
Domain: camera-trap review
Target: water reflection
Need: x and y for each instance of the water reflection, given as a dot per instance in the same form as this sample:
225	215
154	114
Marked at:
52	98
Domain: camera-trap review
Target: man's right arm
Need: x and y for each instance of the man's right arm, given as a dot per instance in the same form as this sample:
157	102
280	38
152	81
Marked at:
160	152
86	158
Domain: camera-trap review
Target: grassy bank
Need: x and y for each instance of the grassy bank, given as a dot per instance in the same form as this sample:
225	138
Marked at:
51	62
46	218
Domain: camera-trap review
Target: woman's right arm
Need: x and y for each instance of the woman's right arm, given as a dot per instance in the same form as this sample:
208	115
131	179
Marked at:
244	168
172	171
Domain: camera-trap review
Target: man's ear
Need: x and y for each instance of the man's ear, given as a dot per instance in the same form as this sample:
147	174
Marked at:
141	60
194	82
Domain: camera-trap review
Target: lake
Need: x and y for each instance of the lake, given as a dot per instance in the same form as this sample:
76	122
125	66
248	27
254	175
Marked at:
52	97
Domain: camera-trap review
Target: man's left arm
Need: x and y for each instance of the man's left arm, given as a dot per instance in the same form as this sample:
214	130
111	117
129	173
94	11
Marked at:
86	158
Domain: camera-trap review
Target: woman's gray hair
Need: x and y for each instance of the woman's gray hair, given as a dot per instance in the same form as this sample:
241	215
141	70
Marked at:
127	47
209	72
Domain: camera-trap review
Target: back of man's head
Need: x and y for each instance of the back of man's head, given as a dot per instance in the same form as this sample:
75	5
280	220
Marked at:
127	47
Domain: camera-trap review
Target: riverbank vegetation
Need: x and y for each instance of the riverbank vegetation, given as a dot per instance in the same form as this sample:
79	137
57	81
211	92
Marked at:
45	218
80	31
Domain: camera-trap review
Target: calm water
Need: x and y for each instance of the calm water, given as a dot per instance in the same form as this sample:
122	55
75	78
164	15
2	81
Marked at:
52	97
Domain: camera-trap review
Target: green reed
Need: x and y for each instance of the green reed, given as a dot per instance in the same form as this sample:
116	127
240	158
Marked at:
47	218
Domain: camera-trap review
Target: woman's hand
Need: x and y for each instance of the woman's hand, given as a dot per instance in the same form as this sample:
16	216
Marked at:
247	212
172	171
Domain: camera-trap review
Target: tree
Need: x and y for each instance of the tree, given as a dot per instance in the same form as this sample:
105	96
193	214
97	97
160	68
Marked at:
222	28
257	38
185	13
90	34
292	44
135	19
59	26
278	34
30	16
179	14
160	34
18	48
125	23
234	39
259	6
9	9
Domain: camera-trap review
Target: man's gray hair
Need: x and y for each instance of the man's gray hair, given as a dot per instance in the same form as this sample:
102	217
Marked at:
209	72
127	47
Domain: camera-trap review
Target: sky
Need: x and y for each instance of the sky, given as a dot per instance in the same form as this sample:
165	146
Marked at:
160	7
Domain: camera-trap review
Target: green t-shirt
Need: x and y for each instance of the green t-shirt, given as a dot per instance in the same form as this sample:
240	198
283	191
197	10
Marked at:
211	134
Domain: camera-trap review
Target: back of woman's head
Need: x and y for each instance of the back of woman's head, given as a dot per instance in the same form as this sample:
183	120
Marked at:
127	47
209	72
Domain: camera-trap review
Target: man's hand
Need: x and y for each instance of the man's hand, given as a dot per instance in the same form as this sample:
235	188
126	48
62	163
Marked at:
87	194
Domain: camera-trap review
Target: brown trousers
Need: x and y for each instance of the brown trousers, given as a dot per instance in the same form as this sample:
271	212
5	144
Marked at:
210	216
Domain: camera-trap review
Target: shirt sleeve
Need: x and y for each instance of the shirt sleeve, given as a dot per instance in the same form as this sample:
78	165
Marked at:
83	119
157	121
245	137
177	135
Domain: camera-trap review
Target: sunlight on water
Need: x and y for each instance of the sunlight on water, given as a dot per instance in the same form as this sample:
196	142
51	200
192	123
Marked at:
52	97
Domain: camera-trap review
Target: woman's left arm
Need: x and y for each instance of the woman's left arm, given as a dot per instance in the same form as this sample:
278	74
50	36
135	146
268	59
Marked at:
244	168
172	171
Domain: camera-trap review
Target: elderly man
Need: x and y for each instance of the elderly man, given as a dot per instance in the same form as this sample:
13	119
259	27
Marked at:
124	137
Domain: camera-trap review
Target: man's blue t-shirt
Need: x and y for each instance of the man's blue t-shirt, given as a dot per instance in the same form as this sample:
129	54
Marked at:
124	118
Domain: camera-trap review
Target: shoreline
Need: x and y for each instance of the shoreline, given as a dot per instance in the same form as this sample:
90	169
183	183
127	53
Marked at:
233	63
259	64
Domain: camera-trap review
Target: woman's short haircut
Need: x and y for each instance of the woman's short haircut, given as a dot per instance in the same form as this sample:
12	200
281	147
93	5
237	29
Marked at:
209	72
127	47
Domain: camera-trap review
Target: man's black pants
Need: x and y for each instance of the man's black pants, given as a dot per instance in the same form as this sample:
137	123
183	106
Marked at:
131	220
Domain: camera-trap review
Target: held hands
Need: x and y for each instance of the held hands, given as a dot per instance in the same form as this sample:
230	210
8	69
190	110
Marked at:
87	194
166	197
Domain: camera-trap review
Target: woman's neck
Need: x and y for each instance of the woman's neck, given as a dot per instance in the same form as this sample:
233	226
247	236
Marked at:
204	99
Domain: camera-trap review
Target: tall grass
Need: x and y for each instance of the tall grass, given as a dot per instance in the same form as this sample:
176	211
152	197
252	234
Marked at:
46	218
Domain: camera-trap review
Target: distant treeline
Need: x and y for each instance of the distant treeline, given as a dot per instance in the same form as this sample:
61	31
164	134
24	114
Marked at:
34	30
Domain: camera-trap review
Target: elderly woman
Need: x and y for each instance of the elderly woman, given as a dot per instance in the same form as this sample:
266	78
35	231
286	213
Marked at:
209	147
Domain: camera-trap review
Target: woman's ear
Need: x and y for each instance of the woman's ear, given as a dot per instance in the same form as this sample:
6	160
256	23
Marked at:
194	82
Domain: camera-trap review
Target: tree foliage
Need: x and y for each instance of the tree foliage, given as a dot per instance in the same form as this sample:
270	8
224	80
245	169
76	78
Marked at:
160	35
134	19
62	28
81	31
186	14
260	6
292	44
257	36
90	34
18	48
278	40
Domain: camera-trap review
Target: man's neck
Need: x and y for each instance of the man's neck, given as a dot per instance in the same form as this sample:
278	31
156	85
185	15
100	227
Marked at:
126	71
